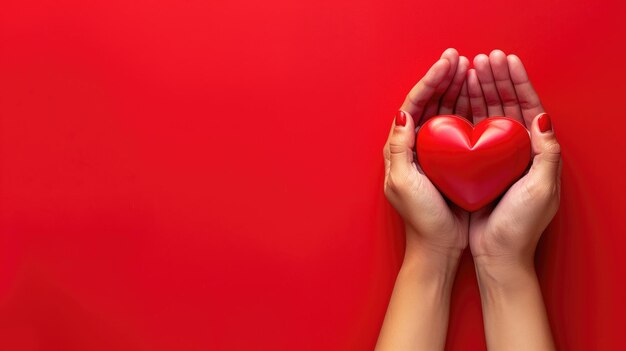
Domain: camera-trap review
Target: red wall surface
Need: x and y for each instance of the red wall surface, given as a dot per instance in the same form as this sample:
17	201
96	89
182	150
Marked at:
193	175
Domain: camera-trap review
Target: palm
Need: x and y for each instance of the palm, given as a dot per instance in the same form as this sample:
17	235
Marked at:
436	213
487	224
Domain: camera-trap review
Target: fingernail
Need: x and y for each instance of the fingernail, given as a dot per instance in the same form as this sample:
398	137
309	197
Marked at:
544	123
400	118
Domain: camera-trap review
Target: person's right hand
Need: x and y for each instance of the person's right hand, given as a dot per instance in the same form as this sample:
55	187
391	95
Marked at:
431	224
436	234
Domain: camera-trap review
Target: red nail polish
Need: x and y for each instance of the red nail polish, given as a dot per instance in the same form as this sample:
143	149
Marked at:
544	123
400	118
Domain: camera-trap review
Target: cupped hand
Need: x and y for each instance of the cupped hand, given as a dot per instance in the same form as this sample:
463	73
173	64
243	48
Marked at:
430	222
506	234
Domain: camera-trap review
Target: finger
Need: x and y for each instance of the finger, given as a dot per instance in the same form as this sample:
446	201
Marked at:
421	93
386	155
476	97
526	95
487	83
547	160
448	101
433	105
462	107
401	143
504	85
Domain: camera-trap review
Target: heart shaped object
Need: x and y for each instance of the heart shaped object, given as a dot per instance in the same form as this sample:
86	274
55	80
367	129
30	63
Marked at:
473	165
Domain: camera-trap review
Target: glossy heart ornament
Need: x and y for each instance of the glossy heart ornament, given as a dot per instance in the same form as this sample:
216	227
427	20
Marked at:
473	165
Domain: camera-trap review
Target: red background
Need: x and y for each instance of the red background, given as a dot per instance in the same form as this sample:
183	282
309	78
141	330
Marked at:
197	175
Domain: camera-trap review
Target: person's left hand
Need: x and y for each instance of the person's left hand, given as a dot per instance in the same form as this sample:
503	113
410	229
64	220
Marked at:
504	236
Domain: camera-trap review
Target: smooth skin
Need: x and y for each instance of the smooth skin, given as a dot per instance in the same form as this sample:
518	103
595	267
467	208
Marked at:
436	234
502	237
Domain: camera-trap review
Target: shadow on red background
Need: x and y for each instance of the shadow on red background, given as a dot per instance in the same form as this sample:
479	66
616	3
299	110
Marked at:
208	175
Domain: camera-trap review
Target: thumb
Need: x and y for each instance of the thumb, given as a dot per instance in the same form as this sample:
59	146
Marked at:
546	148
401	143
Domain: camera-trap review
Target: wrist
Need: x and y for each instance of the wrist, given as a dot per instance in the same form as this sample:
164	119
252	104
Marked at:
432	275
440	246
513	308
430	262
504	274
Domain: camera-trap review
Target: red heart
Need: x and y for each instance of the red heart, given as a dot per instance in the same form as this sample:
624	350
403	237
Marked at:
473	165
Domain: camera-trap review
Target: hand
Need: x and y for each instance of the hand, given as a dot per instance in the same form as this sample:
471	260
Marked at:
436	234
503	237
431	224
506	235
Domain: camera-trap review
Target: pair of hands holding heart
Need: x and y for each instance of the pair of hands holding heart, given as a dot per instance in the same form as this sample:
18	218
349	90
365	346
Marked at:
507	230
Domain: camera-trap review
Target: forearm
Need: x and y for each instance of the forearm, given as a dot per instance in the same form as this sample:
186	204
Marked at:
514	314
417	316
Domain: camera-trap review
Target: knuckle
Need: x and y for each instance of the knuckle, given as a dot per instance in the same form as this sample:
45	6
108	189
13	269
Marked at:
416	102
540	190
396	148
393	183
528	103
551	152
396	183
552	147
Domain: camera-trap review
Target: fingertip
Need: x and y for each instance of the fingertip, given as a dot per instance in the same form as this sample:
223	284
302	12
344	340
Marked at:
498	59
453	56
400	120
543	122
450	52
516	69
443	61
497	53
402	137
541	131
545	143
512	58
404	119
441	66
481	59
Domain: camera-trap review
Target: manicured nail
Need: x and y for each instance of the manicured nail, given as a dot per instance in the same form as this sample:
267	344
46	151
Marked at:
400	118
544	123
